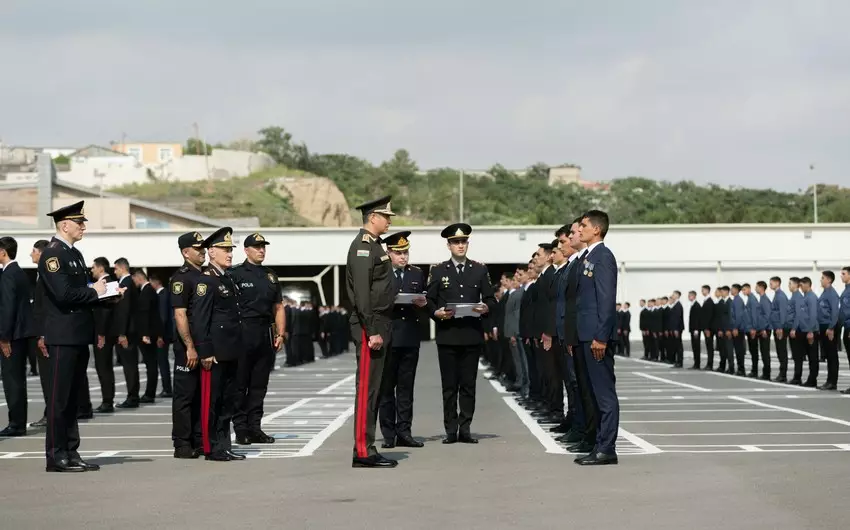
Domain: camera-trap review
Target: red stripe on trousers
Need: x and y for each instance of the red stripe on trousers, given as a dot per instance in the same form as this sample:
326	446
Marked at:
205	409
362	398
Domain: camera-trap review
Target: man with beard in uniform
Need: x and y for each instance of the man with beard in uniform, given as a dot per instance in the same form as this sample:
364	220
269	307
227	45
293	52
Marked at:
262	305
68	301
185	407
396	403
459	280
369	284
216	327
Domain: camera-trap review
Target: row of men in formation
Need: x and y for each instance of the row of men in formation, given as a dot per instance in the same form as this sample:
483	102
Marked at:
736	320
556	315
227	323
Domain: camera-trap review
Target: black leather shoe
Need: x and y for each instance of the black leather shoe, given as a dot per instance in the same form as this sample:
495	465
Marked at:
780	379
127	405
810	384
563	427
243	438
85	465
408	441
796	382
388	444
40	424
571	437
165	394
235	456
694	367
827	386
105	408
218	457
87	415
467	439
10	432
186	453
63	466
581	447
450	439
373	461
598	459
146	399
260	437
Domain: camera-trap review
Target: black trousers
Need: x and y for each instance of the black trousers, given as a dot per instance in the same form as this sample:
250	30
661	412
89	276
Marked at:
798	354
753	347
290	351
164	368
14	375
627	344
709	350
105	373
186	405
585	391
395	410
43	372
367	384
129	357
252	378
811	353
219	395
149	357
696	346
726	347
554	378
32	356
764	349
782	352
739	343
535	392
68	366
603	388
568	377
829	349
458	374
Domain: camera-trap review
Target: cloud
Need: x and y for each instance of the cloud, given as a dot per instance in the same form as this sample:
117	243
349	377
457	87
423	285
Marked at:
738	92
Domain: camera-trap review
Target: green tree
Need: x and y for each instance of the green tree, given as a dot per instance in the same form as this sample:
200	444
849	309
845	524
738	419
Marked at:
195	146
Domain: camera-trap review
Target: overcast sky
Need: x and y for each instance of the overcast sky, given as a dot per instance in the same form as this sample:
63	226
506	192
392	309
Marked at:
728	91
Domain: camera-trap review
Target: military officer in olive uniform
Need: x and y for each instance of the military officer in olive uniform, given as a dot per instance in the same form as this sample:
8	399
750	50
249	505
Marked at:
459	339
396	404
186	404
68	302
216	330
262	307
369	285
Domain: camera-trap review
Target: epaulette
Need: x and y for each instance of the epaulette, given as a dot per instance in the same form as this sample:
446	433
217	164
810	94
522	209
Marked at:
367	238
54	244
184	269
414	267
476	262
207	272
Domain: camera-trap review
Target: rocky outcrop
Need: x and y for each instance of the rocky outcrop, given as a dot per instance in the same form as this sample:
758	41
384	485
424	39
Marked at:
316	199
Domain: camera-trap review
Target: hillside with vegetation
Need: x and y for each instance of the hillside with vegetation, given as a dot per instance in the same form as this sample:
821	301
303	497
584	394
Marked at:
499	198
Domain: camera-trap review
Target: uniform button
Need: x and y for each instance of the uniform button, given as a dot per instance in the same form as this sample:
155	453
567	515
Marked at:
461	296
404	318
461	285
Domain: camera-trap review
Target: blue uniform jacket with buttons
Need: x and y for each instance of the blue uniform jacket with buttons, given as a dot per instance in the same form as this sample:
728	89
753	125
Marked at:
406	330
446	286
828	308
845	308
779	311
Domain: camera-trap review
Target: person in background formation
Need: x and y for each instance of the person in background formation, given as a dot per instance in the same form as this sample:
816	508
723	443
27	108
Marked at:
762	325
844	319
808	329
37	345
123	328
707	321
829	328
166	319
186	405
104	341
262	336
624	329
17	329
396	401
216	326
459	280
148	329
675	327
795	341
526	331
68	301
512	331
695	327
779	324
544	331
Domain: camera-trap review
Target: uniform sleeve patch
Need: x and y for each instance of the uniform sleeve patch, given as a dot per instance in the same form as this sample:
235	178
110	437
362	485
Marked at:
177	287
384	257
201	290
272	278
52	264
362	253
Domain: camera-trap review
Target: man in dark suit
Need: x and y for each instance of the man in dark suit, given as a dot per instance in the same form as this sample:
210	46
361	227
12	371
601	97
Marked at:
105	341
459	339
695	327
626	326
37	344
166	319
123	327
597	329
526	331
546	346
148	330
707	319
677	326
724	324
16	330
395	411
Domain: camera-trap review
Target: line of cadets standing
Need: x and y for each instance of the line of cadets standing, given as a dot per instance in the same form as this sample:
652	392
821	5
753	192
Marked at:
737	320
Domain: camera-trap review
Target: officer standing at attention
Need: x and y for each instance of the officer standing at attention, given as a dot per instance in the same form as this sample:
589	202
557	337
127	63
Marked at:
396	403
216	329
186	405
262	305
459	340
68	301
369	284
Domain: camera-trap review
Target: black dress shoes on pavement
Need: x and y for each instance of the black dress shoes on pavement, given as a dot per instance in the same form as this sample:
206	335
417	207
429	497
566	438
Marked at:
147	399
388	444
83	464
408	441
467	439
581	447
105	408
165	394
218	457
235	456
375	460
40	424
127	405
828	386
571	437
186	453
85	415
597	459
450	439
64	466
10	432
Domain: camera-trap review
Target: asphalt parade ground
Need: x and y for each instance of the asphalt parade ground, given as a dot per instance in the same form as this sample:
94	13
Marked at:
697	450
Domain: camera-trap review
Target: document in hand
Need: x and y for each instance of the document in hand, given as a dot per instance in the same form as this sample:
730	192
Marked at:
463	310
408	298
111	291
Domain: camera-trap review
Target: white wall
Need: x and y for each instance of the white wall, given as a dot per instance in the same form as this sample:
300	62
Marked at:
116	171
222	163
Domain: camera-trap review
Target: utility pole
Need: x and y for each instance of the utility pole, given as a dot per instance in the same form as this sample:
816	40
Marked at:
460	196
198	147
815	194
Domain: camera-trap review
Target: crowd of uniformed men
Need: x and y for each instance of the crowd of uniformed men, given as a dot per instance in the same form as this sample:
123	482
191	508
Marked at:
225	324
737	319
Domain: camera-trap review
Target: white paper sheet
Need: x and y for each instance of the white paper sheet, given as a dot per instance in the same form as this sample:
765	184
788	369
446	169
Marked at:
464	310
408	298
111	291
